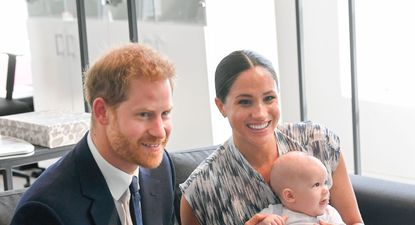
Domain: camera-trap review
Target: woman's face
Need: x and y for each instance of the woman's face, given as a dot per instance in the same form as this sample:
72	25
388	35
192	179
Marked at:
252	107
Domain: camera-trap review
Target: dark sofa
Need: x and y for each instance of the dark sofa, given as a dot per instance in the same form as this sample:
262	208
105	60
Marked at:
381	202
8	201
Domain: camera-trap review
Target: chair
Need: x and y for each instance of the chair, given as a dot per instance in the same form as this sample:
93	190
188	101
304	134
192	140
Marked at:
9	106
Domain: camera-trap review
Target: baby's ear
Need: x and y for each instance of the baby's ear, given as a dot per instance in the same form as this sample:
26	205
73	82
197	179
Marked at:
288	195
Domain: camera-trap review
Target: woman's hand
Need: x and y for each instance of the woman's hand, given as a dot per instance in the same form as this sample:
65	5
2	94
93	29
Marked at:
257	218
324	223
274	219
266	219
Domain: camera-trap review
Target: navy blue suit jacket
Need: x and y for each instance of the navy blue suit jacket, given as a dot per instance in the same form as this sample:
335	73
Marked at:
73	191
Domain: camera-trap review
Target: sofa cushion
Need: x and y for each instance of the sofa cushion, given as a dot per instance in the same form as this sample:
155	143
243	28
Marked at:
8	202
185	162
381	202
384	202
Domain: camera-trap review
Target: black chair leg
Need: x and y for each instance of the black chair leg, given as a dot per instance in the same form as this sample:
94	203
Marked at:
18	173
37	172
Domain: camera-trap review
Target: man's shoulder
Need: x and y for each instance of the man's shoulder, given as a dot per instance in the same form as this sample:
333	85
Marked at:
46	197
58	181
54	181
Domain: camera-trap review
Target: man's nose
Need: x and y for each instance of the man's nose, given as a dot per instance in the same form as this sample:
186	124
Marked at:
157	128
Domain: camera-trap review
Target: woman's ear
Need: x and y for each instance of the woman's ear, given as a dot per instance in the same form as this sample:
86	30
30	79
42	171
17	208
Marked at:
100	111
288	195
220	106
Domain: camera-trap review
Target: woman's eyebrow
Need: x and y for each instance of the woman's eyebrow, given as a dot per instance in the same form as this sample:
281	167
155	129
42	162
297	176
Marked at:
244	96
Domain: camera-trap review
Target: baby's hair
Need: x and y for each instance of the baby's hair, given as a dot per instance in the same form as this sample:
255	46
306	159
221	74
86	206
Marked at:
289	168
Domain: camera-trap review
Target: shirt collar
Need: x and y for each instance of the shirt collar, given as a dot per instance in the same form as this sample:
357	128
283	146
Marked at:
117	180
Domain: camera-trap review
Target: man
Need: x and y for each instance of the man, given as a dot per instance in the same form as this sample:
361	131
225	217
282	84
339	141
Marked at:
130	94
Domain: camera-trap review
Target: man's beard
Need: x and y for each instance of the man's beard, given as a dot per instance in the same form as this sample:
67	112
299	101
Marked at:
133	151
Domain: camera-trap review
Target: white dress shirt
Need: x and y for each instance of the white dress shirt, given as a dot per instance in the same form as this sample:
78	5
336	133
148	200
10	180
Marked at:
118	183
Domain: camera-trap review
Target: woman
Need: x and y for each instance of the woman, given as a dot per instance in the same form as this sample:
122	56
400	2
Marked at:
232	185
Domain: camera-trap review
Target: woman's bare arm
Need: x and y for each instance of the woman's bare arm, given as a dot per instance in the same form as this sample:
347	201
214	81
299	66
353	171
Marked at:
343	197
187	216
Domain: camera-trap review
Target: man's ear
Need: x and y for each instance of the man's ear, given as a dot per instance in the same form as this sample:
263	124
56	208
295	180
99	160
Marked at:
100	111
288	195
220	106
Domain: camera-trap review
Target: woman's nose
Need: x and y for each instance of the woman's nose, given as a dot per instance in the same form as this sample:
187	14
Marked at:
260	111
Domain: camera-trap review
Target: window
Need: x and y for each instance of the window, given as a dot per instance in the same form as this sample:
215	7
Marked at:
385	53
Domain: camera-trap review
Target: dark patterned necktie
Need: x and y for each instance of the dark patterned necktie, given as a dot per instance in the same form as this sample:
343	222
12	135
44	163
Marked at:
135	206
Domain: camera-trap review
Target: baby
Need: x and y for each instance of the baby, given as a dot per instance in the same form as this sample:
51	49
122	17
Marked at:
300	181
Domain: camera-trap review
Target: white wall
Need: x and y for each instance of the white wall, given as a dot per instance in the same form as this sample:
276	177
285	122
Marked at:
385	56
321	68
287	60
196	50
184	44
197	121
235	25
384	78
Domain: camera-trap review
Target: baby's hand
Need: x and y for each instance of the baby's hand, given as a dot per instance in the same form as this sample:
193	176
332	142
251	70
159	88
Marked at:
273	219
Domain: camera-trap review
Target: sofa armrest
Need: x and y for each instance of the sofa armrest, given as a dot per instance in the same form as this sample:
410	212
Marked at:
383	202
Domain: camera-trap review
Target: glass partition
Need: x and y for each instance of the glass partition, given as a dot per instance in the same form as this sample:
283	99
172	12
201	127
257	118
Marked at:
63	8
176	11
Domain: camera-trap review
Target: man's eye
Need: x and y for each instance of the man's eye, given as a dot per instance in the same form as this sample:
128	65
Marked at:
166	113
244	102
144	114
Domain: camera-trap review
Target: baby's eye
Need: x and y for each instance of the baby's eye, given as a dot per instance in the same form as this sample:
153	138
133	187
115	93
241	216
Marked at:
316	184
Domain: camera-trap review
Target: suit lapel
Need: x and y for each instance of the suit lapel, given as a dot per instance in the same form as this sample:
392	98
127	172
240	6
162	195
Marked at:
94	186
150	196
